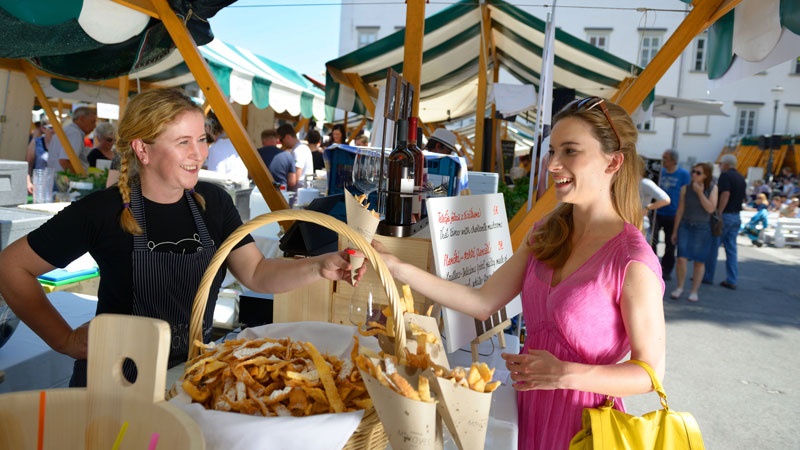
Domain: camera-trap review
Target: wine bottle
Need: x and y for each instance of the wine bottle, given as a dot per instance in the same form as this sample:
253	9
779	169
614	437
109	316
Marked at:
399	198
420	171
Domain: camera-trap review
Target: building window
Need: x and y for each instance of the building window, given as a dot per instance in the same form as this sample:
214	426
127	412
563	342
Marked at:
646	126
598	39
367	35
649	46
697	124
699	56
746	121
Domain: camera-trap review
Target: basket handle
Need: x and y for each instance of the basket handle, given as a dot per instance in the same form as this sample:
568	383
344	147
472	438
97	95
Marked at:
201	298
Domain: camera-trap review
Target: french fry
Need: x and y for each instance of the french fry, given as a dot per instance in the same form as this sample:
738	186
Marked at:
424	390
327	379
408	299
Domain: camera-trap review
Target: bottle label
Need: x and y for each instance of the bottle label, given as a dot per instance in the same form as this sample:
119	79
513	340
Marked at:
407	185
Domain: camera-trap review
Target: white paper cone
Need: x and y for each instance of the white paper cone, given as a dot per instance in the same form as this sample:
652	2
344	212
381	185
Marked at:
361	220
409	424
465	412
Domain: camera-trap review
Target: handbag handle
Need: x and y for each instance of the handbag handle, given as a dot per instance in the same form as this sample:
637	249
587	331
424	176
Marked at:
654	379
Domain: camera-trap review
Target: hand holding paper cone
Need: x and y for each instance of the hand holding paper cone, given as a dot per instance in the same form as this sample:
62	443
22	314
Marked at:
363	220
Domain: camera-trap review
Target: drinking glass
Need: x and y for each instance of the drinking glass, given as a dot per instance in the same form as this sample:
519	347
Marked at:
366	170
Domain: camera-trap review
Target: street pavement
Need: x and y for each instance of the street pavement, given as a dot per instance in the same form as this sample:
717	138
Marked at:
732	358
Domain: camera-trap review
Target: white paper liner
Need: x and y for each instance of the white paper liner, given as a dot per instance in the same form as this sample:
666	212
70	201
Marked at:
234	431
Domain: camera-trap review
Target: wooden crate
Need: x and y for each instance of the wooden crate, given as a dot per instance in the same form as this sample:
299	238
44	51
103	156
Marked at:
415	251
308	303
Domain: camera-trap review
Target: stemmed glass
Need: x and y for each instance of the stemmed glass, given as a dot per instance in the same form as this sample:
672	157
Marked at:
367	172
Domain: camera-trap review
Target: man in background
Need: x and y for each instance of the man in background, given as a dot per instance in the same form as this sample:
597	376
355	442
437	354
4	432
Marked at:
269	146
671	180
283	169
84	119
302	154
732	191
442	141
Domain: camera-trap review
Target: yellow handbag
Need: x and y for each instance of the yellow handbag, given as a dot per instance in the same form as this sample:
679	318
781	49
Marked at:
608	428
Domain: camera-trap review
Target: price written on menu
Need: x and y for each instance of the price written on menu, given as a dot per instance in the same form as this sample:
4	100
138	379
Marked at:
476	260
470	240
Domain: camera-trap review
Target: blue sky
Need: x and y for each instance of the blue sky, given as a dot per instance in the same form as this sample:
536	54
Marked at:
300	34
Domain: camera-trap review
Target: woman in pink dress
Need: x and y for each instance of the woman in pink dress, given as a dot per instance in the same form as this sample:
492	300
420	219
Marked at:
591	286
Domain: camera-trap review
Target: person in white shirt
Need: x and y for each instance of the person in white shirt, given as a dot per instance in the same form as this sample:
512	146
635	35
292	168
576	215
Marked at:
652	197
84	119
302	154
222	155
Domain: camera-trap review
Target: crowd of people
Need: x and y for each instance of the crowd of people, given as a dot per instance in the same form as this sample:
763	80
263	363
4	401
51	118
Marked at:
694	198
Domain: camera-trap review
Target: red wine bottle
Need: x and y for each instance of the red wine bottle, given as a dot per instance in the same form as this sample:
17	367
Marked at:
400	195
420	171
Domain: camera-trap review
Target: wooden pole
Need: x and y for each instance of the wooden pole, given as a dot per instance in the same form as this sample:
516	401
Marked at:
412	51
695	22
480	107
74	161
227	117
124	89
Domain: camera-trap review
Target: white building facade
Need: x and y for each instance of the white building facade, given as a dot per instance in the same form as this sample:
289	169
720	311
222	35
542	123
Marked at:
635	31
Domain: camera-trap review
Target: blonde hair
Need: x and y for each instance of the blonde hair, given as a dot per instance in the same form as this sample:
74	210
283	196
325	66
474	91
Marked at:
550	242
146	117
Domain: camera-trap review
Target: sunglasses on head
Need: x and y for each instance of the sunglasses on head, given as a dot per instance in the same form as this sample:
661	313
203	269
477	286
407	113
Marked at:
590	103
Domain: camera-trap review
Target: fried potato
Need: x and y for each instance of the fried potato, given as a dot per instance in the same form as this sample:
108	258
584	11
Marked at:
274	377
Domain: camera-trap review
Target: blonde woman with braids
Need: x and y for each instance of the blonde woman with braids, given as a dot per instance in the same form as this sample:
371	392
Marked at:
152	236
590	284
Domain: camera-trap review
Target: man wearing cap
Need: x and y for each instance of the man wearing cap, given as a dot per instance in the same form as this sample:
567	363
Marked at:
84	119
732	187
442	141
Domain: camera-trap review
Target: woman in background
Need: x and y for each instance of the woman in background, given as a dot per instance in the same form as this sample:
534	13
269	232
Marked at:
692	231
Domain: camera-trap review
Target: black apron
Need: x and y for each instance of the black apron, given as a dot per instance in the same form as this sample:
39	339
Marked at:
164	286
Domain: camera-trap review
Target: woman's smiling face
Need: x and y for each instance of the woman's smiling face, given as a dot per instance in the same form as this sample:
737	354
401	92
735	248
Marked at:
579	167
174	159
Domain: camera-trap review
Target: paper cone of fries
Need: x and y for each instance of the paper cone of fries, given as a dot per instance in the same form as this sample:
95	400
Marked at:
363	220
465	412
409	424
424	330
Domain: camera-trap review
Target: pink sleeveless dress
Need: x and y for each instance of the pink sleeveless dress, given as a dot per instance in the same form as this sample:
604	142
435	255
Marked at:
578	320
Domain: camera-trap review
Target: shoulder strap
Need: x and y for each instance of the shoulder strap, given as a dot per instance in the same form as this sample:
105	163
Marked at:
654	379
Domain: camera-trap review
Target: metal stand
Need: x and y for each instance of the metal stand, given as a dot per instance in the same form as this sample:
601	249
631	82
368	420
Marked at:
385	229
498	330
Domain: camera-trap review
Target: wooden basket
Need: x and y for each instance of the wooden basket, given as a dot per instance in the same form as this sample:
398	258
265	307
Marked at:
369	434
91	418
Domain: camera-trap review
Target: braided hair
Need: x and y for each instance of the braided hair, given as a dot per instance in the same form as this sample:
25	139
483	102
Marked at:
147	116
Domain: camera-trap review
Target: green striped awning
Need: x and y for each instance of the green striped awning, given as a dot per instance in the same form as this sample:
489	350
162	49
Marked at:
450	60
752	38
243	76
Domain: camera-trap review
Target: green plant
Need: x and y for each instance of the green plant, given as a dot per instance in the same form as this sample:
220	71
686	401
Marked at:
514	196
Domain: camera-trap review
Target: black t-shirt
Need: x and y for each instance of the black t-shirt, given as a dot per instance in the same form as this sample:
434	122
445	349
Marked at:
733	182
91	224
94	155
319	161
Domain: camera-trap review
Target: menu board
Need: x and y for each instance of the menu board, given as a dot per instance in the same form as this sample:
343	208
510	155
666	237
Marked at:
470	241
